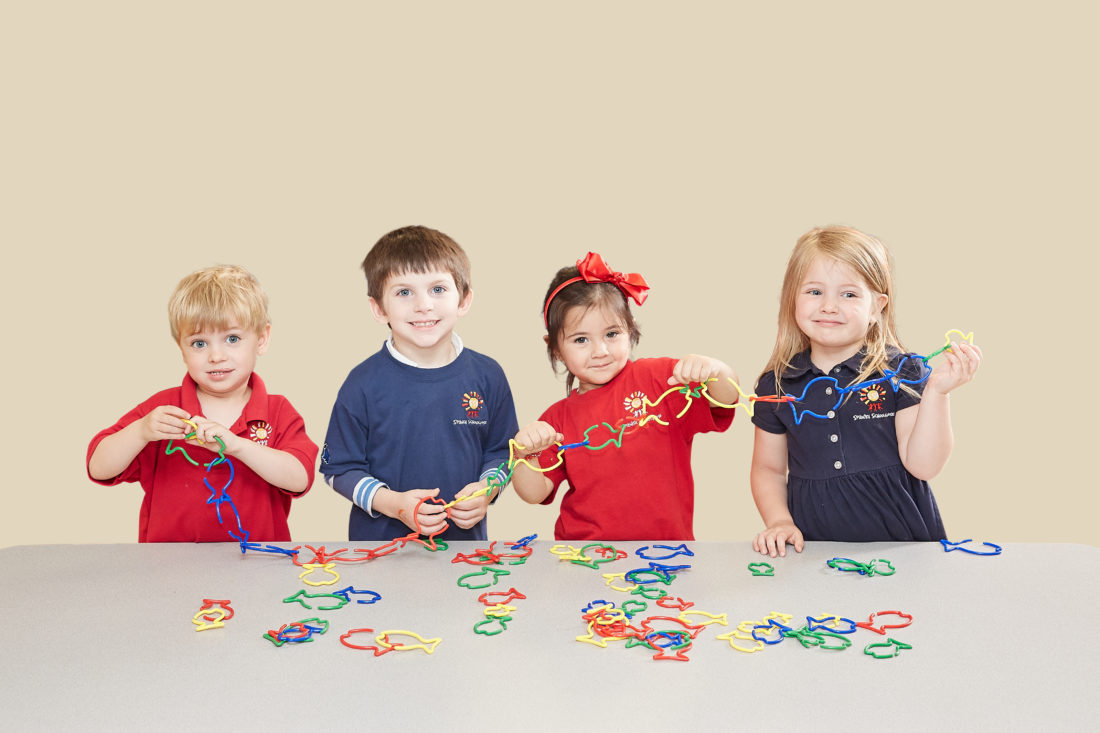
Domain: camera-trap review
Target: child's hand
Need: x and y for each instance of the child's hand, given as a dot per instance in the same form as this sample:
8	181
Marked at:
774	540
535	437
697	368
431	516
165	423
207	432
960	364
465	513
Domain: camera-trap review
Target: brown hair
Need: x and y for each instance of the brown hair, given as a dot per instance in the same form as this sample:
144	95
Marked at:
866	255
415	249
215	297
584	295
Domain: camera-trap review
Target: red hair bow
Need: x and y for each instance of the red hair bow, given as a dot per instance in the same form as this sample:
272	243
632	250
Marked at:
593	269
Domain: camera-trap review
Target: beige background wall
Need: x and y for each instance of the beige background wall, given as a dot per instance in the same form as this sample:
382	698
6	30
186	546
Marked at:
692	142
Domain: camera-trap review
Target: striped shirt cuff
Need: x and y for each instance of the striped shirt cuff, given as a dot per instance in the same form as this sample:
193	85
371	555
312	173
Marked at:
363	494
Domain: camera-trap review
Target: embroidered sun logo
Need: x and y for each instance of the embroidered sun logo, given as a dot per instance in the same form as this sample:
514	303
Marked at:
259	431
872	397
472	403
634	403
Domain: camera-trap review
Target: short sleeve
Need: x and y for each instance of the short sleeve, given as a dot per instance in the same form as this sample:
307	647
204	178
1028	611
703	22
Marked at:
765	415
912	372
549	460
292	439
145	460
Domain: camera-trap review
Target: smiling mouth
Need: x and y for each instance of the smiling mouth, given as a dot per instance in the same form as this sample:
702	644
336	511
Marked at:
220	373
423	324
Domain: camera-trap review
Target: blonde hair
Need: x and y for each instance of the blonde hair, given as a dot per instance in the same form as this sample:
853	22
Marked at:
871	260
216	297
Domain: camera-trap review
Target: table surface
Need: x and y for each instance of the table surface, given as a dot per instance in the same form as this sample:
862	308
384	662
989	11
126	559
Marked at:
101	637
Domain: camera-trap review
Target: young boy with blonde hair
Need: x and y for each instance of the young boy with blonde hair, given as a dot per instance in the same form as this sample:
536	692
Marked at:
219	320
425	418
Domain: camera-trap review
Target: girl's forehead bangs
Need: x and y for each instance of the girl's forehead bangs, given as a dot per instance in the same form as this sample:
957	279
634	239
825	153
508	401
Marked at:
596	296
864	264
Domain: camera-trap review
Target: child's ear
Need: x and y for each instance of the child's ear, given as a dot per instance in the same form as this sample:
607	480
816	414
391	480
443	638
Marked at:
379	314
546	340
881	299
264	340
466	302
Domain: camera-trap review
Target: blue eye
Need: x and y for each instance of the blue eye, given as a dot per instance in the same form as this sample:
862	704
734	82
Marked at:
439	290
403	292
813	291
198	344
232	338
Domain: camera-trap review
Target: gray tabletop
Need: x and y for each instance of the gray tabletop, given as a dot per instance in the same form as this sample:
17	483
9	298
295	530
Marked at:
102	637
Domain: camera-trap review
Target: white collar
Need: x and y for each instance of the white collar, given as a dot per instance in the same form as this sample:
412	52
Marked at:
455	341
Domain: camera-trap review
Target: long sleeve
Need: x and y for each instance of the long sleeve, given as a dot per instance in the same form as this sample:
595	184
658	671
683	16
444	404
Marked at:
502	429
344	461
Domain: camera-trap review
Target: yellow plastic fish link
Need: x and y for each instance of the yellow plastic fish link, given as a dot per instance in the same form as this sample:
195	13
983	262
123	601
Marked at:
744	630
729	636
479	492
666	393
719	618
591	638
326	567
612	577
967	338
203	624
566	552
499	610
513	461
428	645
828	619
747	627
572	554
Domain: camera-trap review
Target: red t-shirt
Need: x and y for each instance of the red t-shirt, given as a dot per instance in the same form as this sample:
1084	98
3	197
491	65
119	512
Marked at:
643	489
175	507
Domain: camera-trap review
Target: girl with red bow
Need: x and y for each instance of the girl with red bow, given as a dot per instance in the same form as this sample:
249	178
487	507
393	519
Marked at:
622	437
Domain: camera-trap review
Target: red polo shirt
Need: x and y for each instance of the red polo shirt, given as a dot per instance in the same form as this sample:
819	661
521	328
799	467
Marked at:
175	507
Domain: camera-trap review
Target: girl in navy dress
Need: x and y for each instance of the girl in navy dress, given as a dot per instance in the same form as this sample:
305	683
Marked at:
850	458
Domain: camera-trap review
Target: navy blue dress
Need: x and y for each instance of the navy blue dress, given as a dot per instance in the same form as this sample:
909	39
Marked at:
845	479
